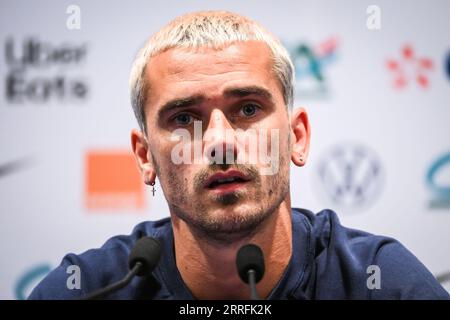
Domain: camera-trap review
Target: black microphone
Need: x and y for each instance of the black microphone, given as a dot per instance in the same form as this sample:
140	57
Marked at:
250	265
143	259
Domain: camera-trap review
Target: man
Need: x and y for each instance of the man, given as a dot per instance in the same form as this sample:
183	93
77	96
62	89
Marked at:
205	90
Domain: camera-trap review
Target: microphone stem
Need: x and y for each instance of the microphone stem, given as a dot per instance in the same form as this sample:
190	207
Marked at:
114	286
252	283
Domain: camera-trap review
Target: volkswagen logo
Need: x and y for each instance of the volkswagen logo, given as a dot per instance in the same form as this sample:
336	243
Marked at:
350	176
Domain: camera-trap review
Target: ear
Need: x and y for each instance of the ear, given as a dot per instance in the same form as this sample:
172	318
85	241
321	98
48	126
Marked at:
300	137
141	152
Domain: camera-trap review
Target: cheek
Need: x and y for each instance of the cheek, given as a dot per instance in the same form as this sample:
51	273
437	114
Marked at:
178	175
161	150
284	133
175	183
161	155
274	139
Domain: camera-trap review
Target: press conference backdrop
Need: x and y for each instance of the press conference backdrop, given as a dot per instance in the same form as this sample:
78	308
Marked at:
374	77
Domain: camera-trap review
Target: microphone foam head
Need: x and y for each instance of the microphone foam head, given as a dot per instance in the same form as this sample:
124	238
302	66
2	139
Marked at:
250	256
146	250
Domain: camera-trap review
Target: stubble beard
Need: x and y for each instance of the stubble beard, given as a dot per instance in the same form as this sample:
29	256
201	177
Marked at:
231	226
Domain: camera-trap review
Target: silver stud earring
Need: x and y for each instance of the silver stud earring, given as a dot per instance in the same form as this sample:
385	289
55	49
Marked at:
301	158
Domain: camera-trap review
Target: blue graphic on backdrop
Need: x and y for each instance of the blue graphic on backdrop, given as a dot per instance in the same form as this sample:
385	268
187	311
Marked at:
310	64
440	191
30	278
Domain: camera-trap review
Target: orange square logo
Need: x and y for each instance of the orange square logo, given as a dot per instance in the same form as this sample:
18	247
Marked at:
112	181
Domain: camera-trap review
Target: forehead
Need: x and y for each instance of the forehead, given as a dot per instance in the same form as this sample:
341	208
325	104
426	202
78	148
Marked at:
207	71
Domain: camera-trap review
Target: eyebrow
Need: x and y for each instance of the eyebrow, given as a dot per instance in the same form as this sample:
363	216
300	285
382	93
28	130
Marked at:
237	92
180	103
242	92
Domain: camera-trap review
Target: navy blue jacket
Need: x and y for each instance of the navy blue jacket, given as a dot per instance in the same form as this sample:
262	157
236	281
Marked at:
329	261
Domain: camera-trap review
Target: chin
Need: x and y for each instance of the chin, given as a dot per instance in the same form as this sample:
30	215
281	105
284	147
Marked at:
234	217
229	227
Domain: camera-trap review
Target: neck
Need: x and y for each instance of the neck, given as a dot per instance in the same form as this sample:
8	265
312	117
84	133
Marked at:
209	269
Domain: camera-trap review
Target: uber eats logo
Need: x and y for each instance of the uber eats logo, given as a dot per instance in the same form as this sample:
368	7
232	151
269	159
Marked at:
40	71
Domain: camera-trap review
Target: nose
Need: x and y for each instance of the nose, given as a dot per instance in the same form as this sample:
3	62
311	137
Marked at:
219	140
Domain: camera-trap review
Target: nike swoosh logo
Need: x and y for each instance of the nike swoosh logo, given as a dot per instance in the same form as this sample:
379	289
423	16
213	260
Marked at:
14	166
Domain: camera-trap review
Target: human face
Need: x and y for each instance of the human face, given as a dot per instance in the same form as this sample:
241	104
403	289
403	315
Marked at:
229	90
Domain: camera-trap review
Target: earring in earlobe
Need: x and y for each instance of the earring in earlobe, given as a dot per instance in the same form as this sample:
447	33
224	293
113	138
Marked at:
153	187
301	158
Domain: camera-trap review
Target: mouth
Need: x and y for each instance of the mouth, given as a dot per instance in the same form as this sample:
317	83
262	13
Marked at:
226	181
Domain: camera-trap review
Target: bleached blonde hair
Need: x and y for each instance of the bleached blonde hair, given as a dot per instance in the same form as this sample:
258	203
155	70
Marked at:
214	29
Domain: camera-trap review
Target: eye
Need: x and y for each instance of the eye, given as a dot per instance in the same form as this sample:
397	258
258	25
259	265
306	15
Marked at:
249	109
183	119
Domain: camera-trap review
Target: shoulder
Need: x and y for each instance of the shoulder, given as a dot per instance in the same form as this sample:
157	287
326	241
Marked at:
403	276
79	274
346	258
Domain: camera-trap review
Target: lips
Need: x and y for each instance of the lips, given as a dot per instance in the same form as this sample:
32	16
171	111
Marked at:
224	179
